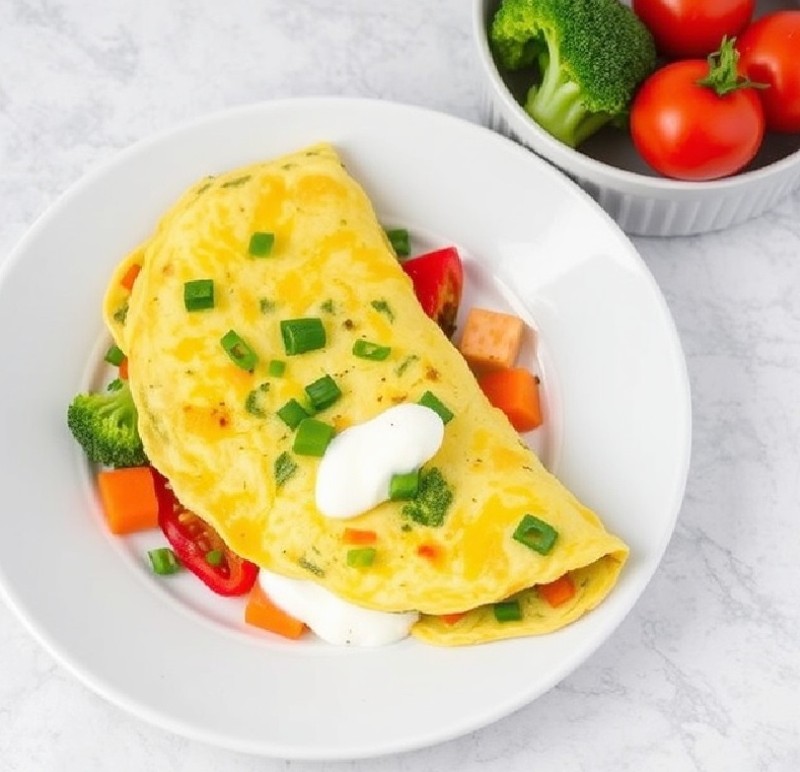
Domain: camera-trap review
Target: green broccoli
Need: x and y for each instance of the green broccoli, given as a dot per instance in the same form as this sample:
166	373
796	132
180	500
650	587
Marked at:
591	55
432	501
105	426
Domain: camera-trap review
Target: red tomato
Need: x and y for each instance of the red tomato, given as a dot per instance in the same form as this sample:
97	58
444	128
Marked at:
685	29
192	539
770	53
438	279
688	131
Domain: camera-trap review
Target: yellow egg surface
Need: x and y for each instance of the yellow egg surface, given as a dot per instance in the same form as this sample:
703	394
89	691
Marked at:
213	430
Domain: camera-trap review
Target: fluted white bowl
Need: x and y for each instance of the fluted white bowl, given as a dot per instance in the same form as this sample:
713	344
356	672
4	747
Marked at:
608	167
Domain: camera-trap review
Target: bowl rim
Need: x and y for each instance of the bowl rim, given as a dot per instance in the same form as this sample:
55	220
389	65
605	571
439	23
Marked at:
586	167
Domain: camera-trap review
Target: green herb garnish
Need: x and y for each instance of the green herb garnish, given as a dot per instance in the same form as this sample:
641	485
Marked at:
311	567
114	356
507	611
535	534
301	335
121	314
292	413
404	365
276	368
363	349
399	240
312	437
237	349
253	402
382	307
430	400
198	295
265	305
361	558
323	392
238	182
163	561
284	468
261	244
404	486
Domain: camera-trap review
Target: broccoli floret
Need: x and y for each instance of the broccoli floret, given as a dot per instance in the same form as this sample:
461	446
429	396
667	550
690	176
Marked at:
105	426
432	501
591	55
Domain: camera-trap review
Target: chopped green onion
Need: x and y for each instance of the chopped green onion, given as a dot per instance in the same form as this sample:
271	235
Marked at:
198	295
284	468
163	561
404	486
536	534
115	385
382	307
114	356
400	241
261	244
240	353
312	437
323	392
301	335
292	413
215	557
429	399
276	368
328	307
366	350
507	611
361	558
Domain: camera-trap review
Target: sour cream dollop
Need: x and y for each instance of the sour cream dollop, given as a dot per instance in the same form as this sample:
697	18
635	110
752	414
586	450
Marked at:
331	618
354	474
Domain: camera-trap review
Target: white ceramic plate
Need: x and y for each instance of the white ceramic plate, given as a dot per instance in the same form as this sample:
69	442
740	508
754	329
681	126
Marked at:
618	433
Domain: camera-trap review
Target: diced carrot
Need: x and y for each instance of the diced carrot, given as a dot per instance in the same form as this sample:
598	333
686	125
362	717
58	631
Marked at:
430	551
261	612
130	276
451	619
491	339
129	499
123	369
354	536
558	592
516	392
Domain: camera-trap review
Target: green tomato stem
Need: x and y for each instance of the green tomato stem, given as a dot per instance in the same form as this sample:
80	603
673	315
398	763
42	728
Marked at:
723	72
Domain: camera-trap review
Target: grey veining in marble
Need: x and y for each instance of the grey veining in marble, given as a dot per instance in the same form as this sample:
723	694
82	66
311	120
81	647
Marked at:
705	673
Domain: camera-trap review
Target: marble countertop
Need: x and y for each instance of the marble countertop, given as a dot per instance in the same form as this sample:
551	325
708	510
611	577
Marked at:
705	672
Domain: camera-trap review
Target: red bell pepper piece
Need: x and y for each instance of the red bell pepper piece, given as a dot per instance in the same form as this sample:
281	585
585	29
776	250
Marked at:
438	279
192	539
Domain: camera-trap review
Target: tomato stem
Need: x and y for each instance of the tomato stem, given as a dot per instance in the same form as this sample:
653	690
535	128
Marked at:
723	73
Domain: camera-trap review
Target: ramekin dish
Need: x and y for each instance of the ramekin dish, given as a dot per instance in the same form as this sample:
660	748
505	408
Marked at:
609	169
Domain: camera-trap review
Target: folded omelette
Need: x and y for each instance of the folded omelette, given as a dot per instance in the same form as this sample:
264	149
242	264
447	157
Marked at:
212	428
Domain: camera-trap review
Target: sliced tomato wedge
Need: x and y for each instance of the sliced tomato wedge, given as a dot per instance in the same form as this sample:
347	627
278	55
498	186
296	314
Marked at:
200	548
438	279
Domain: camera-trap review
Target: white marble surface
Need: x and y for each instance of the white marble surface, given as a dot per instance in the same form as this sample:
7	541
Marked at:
705	673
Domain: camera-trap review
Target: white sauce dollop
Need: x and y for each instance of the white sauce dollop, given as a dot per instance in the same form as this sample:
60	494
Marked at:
331	618
354	474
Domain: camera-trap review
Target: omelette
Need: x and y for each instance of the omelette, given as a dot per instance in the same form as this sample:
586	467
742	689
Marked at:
296	238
